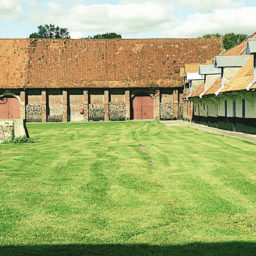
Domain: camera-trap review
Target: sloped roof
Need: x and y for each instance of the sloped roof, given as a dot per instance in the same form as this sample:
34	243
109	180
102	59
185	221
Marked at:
239	49
117	63
186	94
253	87
182	72
209	70
231	61
198	91
242	79
214	88
192	68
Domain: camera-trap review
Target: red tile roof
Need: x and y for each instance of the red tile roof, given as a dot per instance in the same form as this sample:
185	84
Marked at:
59	63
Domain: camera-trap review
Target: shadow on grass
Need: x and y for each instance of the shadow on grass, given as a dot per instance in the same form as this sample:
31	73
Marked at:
193	249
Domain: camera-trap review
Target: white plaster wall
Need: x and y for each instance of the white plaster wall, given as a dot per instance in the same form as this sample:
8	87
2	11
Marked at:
196	84
212	106
229	73
210	80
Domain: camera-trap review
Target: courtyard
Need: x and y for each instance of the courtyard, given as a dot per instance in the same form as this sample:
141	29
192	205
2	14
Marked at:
128	188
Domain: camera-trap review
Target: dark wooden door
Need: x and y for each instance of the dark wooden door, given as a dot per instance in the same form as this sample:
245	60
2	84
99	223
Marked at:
9	108
143	107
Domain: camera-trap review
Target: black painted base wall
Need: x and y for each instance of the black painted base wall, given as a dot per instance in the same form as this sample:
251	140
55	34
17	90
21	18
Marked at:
246	125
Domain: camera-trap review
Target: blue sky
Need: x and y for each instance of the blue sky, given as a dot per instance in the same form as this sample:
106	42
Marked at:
131	18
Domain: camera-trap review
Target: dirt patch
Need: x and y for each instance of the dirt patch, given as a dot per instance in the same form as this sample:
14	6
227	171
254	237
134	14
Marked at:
143	148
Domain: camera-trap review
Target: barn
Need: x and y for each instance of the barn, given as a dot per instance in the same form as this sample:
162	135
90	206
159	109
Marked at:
60	80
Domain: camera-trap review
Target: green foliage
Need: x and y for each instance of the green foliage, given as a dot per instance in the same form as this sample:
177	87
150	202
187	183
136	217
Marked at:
19	140
50	31
229	40
217	35
106	36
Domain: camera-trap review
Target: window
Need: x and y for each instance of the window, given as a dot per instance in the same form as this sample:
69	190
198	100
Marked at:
199	109
243	108
226	108
234	108
207	111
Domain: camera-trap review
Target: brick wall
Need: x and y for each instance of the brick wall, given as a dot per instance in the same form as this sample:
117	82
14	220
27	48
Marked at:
61	105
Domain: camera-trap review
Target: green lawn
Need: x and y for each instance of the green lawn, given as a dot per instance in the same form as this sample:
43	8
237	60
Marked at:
134	188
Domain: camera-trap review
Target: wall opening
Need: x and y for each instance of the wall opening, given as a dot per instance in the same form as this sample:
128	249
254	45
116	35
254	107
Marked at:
9	107
142	107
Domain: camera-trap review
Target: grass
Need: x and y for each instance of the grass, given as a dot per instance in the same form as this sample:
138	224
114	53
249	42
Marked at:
134	188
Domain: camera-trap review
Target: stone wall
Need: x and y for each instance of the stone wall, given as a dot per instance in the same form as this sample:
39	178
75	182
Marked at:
55	106
96	112
181	109
34	113
117	111
12	128
55	113
6	130
166	110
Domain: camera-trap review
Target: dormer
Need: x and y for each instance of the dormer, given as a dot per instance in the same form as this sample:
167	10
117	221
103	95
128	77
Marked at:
251	49
211	74
230	66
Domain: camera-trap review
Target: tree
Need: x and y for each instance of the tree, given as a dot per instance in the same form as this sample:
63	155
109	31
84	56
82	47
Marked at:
229	40
106	36
50	31
217	35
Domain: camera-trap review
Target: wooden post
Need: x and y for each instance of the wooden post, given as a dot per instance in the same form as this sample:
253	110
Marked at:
44	102
23	105
65	105
157	105
127	105
176	103
86	106
106	105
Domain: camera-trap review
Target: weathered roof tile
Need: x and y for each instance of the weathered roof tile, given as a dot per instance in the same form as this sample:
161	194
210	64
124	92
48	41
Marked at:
62	63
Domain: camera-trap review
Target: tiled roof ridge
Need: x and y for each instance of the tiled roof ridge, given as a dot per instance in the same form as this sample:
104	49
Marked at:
114	39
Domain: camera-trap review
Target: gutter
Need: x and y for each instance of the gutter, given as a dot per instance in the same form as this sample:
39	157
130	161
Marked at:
218	91
202	94
250	85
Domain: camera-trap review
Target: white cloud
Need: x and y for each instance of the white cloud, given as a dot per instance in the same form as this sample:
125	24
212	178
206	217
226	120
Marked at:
10	9
241	20
124	17
209	5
